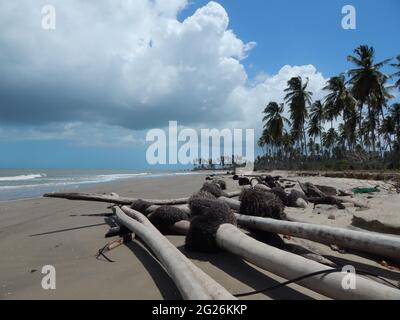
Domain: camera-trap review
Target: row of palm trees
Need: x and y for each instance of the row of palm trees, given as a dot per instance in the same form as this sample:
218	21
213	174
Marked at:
355	116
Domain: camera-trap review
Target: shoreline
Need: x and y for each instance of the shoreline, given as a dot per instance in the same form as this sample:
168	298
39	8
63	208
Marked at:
85	187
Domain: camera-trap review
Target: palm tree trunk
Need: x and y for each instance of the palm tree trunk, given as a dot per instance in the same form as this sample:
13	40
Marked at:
191	281
289	266
375	243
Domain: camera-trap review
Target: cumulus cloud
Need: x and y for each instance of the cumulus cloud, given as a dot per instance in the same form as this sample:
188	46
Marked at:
128	64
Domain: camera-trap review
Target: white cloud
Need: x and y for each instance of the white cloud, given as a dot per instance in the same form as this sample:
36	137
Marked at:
123	65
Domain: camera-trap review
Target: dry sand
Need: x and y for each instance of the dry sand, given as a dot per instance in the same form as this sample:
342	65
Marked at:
135	274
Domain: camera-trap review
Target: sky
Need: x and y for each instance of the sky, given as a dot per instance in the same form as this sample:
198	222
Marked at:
85	94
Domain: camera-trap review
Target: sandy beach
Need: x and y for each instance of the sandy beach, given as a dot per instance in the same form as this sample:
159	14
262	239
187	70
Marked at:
135	274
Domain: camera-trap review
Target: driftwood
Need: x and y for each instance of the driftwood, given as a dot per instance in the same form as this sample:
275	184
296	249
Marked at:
367	242
311	190
113	198
381	245
182	228
289	266
193	283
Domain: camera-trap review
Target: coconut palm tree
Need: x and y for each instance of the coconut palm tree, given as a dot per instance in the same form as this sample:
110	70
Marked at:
394	112
338	100
317	115
299	99
329	140
387	129
367	83
396	74
287	144
275	121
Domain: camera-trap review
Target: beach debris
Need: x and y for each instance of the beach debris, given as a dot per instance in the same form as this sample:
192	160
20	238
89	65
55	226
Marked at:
374	243
343	193
336	248
221	183
243	181
311	190
259	203
262	187
289	185
297	199
191	281
114	244
213	188
281	194
327	190
385	264
164	217
122	200
141	205
327	200
215	229
332	217
116	231
362	190
272	181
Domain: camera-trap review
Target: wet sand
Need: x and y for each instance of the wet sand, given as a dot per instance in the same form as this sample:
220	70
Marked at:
135	274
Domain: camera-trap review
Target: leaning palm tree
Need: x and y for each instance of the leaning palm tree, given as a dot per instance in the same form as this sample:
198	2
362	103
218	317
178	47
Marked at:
367	83
299	99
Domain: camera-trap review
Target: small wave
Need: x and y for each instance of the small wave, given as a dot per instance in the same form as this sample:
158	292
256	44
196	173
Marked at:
23	177
112	177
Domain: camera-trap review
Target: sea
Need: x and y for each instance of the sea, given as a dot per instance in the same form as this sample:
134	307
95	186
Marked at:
17	184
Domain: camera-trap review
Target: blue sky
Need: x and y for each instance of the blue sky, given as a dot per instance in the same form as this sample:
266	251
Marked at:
309	31
59	69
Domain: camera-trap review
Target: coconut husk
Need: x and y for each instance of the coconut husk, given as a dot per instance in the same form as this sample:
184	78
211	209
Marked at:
293	196
258	203
243	181
214	189
221	183
203	228
166	216
141	206
281	194
262	187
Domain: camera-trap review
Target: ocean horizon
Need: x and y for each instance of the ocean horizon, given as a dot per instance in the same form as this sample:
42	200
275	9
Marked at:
19	184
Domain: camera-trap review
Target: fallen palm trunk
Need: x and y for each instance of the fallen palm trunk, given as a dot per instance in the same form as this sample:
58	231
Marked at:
190	280
290	266
382	245
378	244
113	198
214	226
175	220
